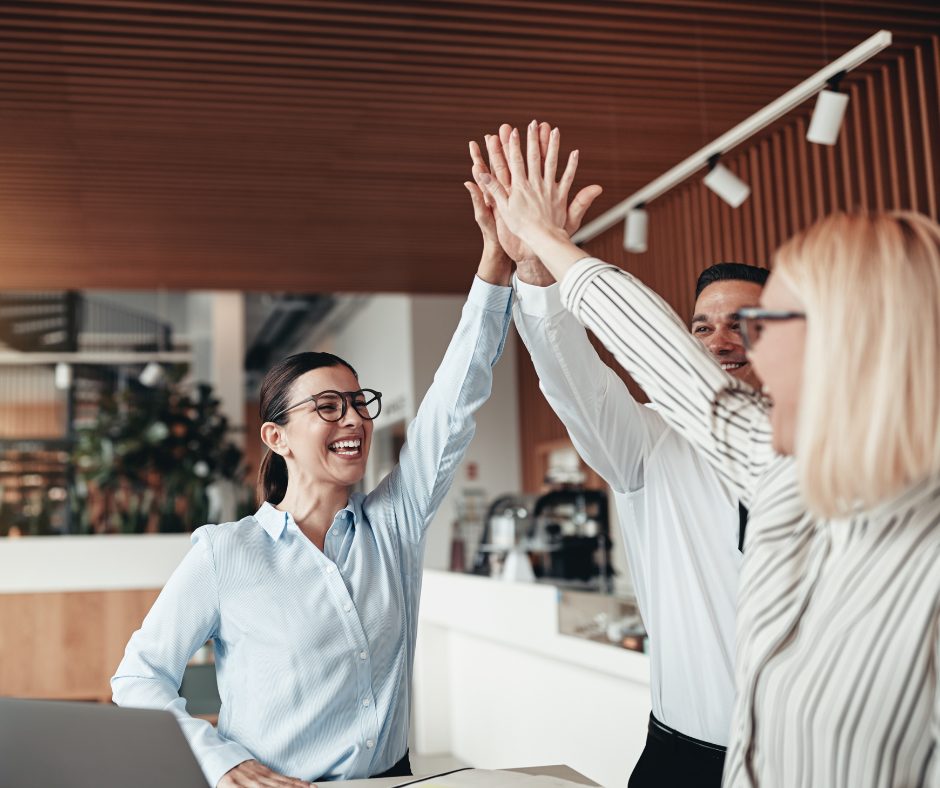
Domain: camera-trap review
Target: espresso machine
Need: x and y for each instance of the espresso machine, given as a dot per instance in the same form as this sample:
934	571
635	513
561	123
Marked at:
570	538
564	533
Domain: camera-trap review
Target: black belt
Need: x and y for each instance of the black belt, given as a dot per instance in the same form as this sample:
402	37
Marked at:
663	733
400	769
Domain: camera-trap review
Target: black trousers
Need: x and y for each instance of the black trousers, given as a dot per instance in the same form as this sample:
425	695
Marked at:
400	769
673	759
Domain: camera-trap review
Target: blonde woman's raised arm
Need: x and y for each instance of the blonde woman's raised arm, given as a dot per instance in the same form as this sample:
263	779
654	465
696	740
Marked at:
724	418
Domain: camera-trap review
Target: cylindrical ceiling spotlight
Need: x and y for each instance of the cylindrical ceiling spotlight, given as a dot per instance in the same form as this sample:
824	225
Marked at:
63	376
725	183
827	117
634	232
151	375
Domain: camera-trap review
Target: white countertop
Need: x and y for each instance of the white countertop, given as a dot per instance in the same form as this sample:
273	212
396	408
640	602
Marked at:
521	615
39	564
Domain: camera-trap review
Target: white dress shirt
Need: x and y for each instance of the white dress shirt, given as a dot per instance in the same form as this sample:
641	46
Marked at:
838	629
314	649
680	522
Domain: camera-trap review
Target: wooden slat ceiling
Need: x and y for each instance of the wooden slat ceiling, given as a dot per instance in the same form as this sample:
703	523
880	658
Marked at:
321	146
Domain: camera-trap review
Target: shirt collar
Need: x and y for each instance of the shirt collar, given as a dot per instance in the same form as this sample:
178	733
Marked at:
353	510
274	521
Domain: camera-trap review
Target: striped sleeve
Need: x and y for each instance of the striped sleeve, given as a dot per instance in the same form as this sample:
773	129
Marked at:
723	417
933	763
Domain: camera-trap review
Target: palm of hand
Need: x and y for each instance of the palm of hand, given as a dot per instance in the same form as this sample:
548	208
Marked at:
512	244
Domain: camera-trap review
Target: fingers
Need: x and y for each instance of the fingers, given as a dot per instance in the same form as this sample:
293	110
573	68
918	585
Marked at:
505	131
489	185
545	130
476	156
479	164
516	162
533	154
551	155
567	177
481	212
475	194
251	774
276	780
580	205
494	149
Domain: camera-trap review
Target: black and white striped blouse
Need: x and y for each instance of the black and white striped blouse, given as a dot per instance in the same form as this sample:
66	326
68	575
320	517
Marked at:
838	632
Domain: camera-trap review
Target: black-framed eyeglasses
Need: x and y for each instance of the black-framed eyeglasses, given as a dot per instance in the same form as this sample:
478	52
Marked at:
332	405
751	320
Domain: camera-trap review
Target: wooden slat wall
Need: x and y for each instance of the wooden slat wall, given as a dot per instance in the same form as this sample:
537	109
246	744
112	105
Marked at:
886	158
319	145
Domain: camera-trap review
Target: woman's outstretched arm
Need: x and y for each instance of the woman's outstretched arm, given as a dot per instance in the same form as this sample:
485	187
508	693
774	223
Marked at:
724	418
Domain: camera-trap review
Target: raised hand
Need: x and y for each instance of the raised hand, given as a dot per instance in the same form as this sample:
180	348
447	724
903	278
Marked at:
525	195
494	226
529	268
495	265
567	215
530	198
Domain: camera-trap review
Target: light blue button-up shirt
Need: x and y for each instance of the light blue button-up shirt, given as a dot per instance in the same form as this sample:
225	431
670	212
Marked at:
315	650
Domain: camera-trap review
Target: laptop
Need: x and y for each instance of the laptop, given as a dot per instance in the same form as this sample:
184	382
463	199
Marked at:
92	745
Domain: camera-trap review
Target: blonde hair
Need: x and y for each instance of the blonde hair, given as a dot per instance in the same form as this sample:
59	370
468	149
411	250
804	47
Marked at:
869	421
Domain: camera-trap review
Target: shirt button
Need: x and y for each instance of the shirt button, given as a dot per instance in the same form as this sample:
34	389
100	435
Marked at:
347	607
330	570
366	702
362	655
370	744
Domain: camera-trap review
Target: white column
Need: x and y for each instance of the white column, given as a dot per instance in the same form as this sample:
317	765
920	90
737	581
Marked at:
228	358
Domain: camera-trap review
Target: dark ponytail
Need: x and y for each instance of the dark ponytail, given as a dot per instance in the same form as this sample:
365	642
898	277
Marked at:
275	390
272	478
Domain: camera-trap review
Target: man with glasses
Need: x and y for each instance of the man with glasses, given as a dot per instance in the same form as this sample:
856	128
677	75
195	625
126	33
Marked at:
683	529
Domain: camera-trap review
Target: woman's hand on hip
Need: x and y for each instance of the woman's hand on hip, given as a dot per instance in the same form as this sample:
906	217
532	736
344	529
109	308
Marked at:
252	774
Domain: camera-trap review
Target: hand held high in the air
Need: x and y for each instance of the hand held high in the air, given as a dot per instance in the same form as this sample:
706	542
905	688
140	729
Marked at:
568	215
532	204
491	224
495	265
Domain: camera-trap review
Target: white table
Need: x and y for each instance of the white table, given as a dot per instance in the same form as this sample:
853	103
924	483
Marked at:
563	772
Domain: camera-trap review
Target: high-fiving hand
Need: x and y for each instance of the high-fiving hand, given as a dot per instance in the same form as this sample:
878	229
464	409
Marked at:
531	204
543	150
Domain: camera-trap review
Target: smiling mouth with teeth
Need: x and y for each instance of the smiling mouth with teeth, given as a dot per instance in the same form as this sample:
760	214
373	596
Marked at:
346	448
733	366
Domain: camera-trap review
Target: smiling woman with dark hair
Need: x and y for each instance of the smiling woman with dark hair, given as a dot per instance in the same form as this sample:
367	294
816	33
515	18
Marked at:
312	602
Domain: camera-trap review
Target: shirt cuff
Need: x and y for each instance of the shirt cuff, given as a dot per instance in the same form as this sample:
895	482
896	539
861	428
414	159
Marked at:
538	301
577	280
221	760
491	298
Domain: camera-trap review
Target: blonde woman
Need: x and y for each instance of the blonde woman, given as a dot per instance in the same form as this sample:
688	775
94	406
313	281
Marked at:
839	603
